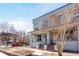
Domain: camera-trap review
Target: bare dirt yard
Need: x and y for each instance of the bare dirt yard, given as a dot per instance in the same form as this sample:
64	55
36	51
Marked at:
2	54
24	51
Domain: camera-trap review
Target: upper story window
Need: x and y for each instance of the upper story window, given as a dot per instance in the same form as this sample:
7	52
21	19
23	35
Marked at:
36	26
58	20
45	24
61	19
55	20
76	16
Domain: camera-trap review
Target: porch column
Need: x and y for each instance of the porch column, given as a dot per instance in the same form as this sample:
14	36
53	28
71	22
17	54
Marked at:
31	39
48	37
42	39
78	38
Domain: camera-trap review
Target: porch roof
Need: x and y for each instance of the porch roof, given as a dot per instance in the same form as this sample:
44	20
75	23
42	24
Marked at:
41	31
59	27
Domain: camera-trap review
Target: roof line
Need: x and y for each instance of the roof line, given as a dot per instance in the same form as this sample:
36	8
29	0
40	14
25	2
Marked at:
54	10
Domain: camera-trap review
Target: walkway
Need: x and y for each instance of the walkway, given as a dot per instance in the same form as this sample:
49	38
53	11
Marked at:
2	54
67	54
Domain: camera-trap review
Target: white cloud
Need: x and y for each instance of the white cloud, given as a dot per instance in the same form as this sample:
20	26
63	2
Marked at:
22	25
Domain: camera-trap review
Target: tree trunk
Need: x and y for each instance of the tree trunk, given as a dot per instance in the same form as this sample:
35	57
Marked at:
60	48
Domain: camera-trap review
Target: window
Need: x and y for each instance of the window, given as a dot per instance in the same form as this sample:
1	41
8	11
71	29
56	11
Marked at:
36	26
61	19
45	24
73	34
76	17
39	38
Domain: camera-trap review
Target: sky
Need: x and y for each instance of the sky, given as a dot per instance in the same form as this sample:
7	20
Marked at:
21	14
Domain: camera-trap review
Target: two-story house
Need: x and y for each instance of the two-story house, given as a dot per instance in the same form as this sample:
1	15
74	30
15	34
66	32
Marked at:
43	27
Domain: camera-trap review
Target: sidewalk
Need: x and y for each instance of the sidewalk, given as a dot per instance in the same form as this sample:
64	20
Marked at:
67	54
2	54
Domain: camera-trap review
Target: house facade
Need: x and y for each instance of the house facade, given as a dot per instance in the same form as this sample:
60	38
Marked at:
43	26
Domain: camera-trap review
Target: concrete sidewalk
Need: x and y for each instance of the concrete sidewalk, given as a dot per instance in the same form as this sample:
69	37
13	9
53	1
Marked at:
2	54
67	54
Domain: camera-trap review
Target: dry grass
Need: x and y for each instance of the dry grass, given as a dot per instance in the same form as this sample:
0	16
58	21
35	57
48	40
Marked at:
24	51
18	50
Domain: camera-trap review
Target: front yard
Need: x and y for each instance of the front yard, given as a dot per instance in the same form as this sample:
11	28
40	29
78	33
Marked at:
24	51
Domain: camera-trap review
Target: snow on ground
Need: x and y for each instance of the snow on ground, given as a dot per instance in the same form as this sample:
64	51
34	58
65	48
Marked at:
2	54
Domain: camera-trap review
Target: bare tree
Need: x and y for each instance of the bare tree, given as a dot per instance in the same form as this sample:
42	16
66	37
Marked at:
61	34
4	27
58	35
7	31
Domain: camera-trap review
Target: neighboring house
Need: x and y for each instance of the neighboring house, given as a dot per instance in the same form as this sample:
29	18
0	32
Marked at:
7	39
43	27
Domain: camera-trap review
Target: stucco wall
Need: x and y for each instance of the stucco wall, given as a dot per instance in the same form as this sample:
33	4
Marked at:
71	45
35	44
78	38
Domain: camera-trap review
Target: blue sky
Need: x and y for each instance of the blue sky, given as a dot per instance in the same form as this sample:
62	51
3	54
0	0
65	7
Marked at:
21	14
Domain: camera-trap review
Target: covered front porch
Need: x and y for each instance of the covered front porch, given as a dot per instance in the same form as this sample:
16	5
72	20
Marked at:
42	39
